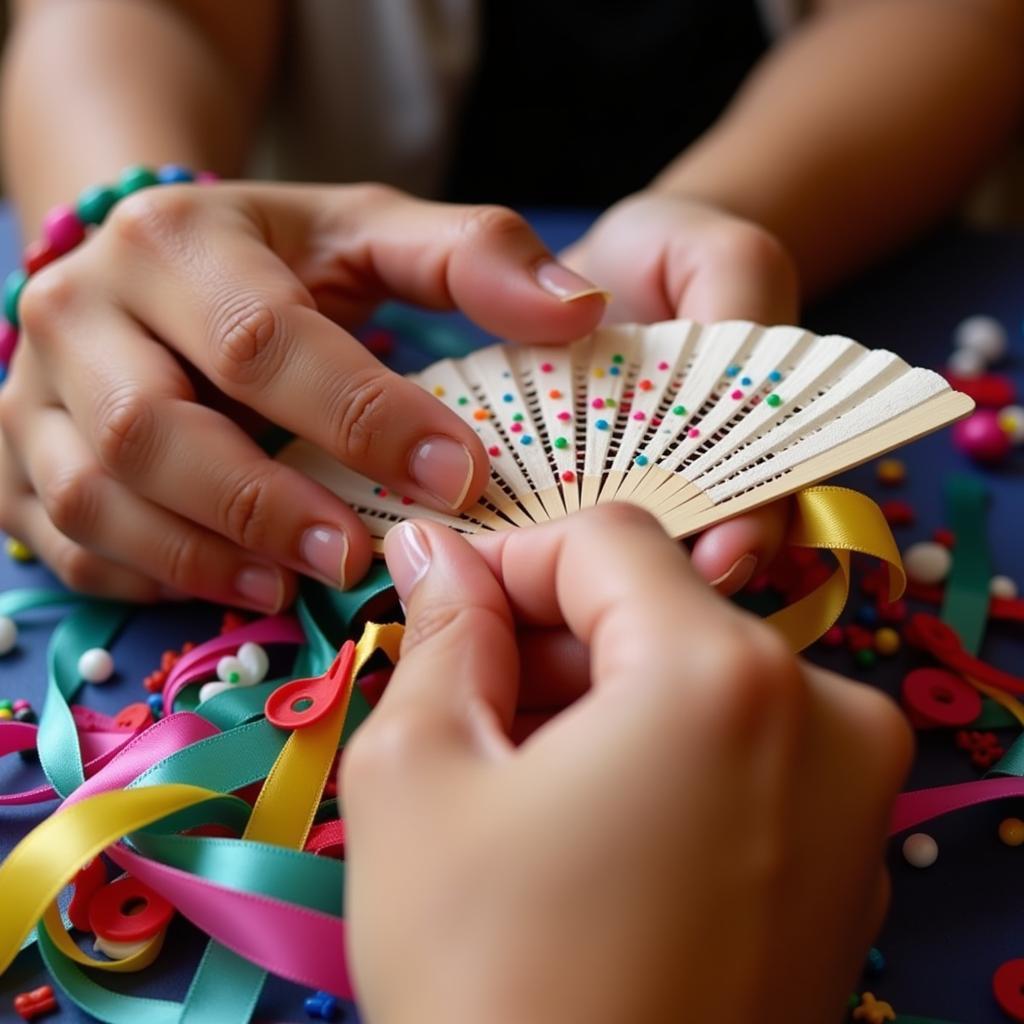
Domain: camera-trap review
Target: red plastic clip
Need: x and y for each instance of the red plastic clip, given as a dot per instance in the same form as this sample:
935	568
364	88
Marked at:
933	697
30	1005
128	911
305	701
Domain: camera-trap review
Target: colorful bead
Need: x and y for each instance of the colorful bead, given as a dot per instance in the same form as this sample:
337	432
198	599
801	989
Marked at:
732	371
95	665
1011	831
983	335
518	417
927	562
775	376
920	850
641	460
546	367
678	410
610	402
507	398
1008	988
481	414
156	704
13	287
833	636
891	472
95	203
231	670
207	178
255	659
561	442
526	439
494	451
876	961
663	365
601	424
516	428
598	372
887	641
321	1006
564	416
867	615
20	705
462	400
62	229
645	384
614	371
693	432
554	394
8	635
966	364
37	255
1011	420
981	437
6	714
597	403
638	415
774	400
126	910
8	342
133	179
866	657
29	1005
438	391
618	358
173	174
737	394
18	551
897	513
568	476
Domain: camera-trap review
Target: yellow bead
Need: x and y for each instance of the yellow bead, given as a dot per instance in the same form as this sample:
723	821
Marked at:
891	472
887	641
6	713
1011	831
18	551
598	371
439	391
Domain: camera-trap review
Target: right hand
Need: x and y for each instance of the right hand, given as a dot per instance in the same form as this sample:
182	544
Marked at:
118	476
697	836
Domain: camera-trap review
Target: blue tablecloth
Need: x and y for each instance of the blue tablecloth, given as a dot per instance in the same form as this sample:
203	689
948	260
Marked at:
950	926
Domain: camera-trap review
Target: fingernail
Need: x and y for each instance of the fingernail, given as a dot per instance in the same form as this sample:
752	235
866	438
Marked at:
261	586
565	284
324	549
443	468
408	558
737	576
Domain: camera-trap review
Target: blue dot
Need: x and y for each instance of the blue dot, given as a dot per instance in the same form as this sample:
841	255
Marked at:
732	370
614	371
171	174
506	398
867	615
526	439
775	376
641	460
746	382
601	424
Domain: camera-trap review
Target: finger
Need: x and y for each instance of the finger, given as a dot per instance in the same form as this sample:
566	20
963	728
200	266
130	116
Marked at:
554	669
135	404
730	554
104	516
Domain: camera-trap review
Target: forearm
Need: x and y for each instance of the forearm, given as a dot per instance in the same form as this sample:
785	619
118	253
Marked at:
864	127
93	85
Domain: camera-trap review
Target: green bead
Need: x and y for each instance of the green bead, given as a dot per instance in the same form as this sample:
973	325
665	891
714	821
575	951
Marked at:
95	203
611	403
617	358
463	400
679	410
866	657
561	442
134	178
773	400
13	288
518	418
6	705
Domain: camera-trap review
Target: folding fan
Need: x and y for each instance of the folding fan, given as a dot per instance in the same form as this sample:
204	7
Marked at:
695	423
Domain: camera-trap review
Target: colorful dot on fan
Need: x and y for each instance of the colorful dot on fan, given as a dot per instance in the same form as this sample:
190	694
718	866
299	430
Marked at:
598	372
526	439
655	421
481	414
506	373
561	442
601	424
406	501
774	400
555	394
611	403
693	432
494	451
507	398
439	391
641	460
613	370
462	400
679	410
645	384
568	476
565	416
775	376
746	381
518	418
617	358
663	365
597	403
516	428
381	492
639	416
737	394
546	367
732	371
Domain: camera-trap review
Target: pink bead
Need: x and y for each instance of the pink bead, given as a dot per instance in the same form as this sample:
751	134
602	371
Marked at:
564	416
693	432
546	367
597	403
207	177
980	437
516	428
737	394
639	416
8	342
20	705
62	229
662	365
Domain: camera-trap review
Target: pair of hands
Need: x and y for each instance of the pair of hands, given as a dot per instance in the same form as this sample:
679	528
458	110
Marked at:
692	830
151	354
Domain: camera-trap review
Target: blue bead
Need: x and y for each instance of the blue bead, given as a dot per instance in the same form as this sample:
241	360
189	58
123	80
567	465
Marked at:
321	1006
171	174
526	439
614	371
867	615
641	460
732	370
775	376
746	382
506	398
601	424
876	961
156	704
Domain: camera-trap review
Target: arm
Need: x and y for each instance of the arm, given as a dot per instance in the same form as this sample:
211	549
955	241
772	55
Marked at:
864	127
131	82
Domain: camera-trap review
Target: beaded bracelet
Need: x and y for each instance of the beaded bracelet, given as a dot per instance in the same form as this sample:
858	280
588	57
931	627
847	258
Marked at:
64	227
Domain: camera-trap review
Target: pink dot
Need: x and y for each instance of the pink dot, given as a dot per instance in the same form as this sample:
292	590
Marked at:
693	432
736	394
639	416
546	367
516	428
597	403
663	365
564	416
494	450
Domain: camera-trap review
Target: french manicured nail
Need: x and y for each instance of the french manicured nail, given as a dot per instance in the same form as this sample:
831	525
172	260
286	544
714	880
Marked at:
324	549
565	284
261	586
737	576
443	468
408	558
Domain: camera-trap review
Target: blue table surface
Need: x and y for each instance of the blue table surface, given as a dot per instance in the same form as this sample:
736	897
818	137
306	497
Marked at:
951	926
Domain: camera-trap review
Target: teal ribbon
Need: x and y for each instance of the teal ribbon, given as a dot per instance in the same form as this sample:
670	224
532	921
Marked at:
966	600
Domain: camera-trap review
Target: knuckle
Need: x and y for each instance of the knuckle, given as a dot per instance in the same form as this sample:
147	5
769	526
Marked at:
245	511
359	415
490	222
77	568
184	566
438	617
247	342
151	218
70	500
46	300
125	430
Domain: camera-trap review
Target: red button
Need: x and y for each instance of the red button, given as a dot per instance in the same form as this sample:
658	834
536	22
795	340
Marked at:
934	697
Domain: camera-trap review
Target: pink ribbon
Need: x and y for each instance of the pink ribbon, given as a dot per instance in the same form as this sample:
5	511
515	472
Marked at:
921	805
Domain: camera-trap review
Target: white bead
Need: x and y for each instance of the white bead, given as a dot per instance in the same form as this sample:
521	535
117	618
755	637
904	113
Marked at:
920	850
1011	419
966	363
208	690
231	670
95	665
1002	586
981	334
8	635
255	661
927	562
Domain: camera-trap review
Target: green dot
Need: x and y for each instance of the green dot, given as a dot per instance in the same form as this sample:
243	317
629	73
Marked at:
610	402
134	178
679	410
518	418
234	677
773	400
866	657
463	400
95	203
618	358
561	442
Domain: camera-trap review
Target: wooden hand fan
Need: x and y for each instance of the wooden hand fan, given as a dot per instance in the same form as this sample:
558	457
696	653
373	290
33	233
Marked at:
694	423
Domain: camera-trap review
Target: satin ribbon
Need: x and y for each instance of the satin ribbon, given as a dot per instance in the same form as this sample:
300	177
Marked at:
841	521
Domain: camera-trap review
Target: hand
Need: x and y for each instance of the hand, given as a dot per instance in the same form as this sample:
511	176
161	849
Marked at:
661	256
117	475
699	836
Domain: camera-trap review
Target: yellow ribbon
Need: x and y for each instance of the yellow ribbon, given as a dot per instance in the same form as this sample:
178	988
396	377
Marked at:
49	856
842	521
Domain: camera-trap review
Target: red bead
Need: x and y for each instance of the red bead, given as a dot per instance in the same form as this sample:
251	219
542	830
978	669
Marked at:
892	611
897	513
981	437
546	367
115	913
30	1005
494	451
568	476
833	636
989	391
406	501
37	254
944	537
62	229
645	384
1008	988
155	681
858	638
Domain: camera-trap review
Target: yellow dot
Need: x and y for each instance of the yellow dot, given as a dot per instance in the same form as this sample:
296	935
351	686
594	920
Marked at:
439	391
6	713
887	641
891	471
598	371
18	551
1011	831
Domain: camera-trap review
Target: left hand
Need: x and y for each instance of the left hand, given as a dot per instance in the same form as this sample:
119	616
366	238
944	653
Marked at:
662	256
